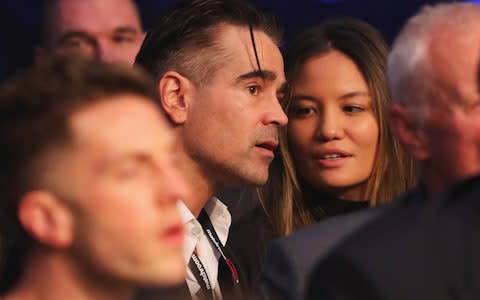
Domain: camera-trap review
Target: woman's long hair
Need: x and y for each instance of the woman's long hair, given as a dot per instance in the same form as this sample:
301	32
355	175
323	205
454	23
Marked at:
393	170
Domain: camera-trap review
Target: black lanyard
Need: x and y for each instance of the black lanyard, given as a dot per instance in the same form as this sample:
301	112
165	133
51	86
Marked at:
201	275
197	267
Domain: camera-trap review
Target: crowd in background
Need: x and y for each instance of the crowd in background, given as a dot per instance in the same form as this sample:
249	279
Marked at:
21	21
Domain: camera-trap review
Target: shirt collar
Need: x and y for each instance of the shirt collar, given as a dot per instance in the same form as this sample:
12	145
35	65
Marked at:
219	216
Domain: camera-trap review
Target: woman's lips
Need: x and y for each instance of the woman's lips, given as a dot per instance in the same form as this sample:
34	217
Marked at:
332	158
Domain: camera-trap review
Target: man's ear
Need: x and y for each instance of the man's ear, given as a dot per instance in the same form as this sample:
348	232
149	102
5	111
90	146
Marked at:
408	132
46	219
175	91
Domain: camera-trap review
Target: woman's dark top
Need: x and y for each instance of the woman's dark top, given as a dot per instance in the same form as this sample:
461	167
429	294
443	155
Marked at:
250	235
323	206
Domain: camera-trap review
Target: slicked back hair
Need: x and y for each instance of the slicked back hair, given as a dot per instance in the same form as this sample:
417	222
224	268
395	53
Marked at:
184	37
35	110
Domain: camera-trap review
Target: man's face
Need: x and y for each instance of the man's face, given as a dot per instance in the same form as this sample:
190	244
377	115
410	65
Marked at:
108	30
120	183
452	123
233	120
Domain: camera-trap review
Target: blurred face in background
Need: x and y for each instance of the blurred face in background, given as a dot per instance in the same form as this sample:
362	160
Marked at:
107	30
332	131
122	187
450	128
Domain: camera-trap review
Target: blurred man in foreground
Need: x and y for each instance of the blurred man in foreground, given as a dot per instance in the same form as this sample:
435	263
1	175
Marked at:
88	184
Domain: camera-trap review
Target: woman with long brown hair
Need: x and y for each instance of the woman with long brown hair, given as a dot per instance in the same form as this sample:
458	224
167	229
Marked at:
338	142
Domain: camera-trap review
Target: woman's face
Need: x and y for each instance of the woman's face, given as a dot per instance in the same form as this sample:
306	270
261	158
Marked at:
332	129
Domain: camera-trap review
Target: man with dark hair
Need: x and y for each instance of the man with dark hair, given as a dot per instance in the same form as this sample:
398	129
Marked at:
89	189
219	73
106	30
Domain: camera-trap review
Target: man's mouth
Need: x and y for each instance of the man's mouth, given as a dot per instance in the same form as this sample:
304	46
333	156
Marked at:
271	146
267	148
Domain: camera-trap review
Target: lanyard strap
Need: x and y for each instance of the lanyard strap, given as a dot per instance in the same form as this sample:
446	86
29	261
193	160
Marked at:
199	270
201	276
207	226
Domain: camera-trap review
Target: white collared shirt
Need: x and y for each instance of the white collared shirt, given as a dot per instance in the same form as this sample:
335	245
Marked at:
195	238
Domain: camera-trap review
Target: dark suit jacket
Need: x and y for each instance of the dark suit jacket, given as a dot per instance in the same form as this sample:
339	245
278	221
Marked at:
248	240
289	261
424	250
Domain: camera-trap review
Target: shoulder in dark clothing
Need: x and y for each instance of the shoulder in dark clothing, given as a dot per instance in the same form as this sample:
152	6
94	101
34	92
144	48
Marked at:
421	250
247	240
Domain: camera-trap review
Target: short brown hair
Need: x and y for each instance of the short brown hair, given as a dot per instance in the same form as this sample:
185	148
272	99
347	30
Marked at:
35	107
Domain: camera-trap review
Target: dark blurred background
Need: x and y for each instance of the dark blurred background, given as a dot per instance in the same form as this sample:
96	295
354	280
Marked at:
20	20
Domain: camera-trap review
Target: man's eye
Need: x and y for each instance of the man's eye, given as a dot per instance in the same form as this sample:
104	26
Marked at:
128	173
253	89
123	39
74	43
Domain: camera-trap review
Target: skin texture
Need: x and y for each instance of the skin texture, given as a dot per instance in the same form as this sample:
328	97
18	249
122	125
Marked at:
107	30
109	218
229	126
331	112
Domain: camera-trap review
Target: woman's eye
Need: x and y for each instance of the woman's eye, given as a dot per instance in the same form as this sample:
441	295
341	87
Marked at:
353	109
301	111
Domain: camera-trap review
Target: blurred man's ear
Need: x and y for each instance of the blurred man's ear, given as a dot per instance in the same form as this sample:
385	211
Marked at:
46	219
175	93
408	132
